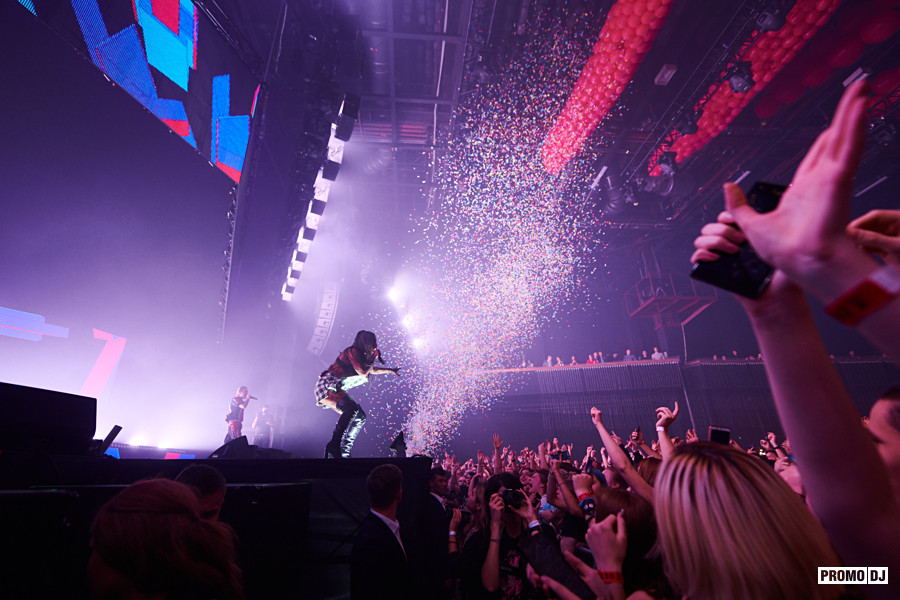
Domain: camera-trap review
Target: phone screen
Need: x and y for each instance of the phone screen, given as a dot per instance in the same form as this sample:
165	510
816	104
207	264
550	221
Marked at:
743	273
720	435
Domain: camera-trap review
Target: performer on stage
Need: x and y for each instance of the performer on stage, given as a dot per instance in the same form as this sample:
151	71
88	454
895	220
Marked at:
352	368
264	427
235	416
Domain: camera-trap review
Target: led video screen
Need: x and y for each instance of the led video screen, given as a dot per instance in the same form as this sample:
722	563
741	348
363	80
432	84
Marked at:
171	59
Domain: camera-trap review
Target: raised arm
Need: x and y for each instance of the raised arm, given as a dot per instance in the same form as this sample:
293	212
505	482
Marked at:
805	239
664	419
620	460
498	459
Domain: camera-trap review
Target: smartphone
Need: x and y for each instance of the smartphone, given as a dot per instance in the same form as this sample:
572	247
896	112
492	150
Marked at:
546	558
743	273
719	435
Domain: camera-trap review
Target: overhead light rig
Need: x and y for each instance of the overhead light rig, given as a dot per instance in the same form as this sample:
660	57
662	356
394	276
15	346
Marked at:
341	130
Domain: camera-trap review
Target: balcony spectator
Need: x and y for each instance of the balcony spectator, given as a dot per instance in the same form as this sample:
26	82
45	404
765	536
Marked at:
657	355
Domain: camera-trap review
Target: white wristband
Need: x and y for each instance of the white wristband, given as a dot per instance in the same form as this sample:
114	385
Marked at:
452	533
658	428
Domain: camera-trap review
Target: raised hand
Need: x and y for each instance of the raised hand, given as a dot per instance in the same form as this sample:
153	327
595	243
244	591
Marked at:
665	417
596	417
811	218
690	436
772	439
608	541
496	505
497	441
878	232
615	438
456	519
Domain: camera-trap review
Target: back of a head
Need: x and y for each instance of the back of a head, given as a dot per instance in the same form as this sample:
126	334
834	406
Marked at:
151	533
383	484
641	571
205	479
648	469
729	527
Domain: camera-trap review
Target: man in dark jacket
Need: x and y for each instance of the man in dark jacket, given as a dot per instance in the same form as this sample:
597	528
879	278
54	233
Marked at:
379	566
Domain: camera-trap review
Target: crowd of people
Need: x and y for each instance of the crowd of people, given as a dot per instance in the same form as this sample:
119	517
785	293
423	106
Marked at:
598	357
699	519
670	519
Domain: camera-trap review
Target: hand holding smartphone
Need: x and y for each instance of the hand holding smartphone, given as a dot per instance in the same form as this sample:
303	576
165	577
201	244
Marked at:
743	273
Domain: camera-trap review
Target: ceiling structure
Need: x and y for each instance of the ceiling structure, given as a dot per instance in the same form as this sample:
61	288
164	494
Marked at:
416	63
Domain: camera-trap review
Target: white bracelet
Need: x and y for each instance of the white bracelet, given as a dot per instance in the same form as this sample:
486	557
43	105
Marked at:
658	428
452	533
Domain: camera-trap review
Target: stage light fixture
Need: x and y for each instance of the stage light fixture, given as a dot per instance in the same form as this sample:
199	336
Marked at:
687	122
317	207
297	259
287	292
312	221
666	72
308	234
293	276
666	162
303	244
740	77
347	117
772	15
330	170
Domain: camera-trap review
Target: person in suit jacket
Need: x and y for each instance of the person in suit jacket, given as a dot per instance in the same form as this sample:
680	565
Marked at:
434	569
379	566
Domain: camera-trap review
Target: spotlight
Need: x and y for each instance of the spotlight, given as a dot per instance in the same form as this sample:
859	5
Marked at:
330	170
615	203
418	343
666	162
347	117
393	295
772	15
298	259
293	276
317	207
687	122
740	77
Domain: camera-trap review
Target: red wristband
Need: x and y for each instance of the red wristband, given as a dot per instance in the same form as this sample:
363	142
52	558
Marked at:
611	576
866	297
585	495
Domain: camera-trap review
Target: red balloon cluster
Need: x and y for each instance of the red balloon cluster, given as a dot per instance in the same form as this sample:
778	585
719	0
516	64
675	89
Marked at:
883	84
840	47
771	52
626	36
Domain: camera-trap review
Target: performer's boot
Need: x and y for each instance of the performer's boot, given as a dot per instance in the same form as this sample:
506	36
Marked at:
356	425
333	448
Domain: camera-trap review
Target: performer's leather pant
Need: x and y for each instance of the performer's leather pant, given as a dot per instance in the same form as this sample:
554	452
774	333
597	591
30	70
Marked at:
348	427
